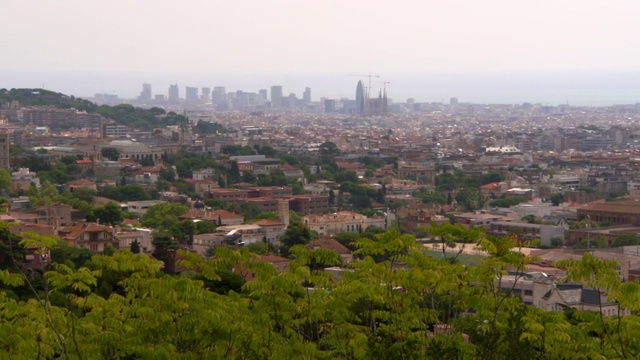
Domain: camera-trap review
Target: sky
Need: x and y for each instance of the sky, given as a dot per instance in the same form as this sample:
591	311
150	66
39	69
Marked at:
91	46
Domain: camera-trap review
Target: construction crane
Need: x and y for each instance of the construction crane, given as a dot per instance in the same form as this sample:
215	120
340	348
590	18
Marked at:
367	76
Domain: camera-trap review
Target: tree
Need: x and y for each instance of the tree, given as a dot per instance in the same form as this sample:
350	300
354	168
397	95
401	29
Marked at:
328	148
204	227
168	174
248	177
557	199
5	180
135	247
260	248
164	246
347	238
163	216
110	153
109	250
11	252
234	173
626	240
296	234
111	213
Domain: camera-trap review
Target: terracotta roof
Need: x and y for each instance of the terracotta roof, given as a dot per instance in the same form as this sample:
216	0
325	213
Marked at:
287	167
80	182
494	185
203	181
331	244
273	258
624	207
212	215
74	231
267	222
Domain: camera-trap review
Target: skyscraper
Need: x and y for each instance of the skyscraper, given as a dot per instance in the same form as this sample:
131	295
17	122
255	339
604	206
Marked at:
276	97
307	95
206	94
360	98
191	93
174	94
219	95
145	94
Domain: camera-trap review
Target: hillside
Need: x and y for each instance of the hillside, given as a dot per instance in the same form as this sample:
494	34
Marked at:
135	117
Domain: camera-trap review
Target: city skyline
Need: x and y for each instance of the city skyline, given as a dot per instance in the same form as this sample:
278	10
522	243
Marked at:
497	51
576	88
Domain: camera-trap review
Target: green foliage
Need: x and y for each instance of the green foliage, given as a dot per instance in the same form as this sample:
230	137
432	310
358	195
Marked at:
470	198
587	189
163	216
110	153
506	202
237	150
126	193
296	234
110	213
135	247
557	199
5	180
205	127
10	249
431	197
625	240
329	149
121	307
259	248
265	216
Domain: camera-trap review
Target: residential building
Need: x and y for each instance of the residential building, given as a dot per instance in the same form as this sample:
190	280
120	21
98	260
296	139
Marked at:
309	204
527	231
90	236
331	224
23	179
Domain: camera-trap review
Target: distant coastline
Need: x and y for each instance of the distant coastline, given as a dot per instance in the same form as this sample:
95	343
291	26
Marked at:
578	88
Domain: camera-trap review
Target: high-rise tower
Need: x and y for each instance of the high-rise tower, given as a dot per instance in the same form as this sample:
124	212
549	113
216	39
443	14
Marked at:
307	95
174	94
276	97
145	95
360	98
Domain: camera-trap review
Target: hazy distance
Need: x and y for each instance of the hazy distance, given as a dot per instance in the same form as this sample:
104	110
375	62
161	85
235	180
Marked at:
504	51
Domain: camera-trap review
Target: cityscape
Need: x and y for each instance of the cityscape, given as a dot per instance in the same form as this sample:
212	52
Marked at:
447	181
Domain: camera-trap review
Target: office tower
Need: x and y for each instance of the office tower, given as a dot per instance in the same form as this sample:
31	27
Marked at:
191	93
262	96
360	98
276	97
329	105
206	94
145	94
219	95
307	95
174	94
453	101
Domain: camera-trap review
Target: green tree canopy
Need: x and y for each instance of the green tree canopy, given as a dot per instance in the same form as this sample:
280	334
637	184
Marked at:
163	216
110	153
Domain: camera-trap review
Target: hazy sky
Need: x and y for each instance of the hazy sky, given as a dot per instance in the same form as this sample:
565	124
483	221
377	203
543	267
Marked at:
328	36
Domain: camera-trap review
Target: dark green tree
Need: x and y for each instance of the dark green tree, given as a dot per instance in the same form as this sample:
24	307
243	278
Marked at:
110	153
296	234
135	247
111	213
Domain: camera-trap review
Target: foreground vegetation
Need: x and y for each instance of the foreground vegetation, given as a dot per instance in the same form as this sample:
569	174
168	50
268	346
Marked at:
121	306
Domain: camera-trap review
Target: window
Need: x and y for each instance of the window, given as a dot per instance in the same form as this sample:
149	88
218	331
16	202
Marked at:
528	292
